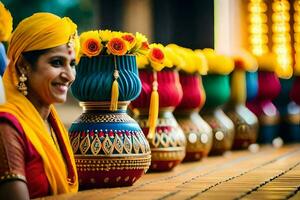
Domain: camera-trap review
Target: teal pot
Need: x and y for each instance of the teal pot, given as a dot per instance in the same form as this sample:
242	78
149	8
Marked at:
217	89
94	78
109	146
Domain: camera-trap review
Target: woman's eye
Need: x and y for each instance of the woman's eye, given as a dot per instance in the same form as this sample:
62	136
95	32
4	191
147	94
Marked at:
57	63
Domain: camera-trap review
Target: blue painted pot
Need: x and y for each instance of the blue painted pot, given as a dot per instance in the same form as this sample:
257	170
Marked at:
109	146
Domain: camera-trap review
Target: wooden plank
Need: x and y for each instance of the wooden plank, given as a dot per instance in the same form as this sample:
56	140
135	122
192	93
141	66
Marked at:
268	174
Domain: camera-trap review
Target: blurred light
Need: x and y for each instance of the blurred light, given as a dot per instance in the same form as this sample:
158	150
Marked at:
258	28
281	33
297	35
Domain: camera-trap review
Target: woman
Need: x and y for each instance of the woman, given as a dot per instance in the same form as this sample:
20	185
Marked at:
36	156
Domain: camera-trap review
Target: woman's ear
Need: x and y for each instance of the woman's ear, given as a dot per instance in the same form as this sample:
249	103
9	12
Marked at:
22	66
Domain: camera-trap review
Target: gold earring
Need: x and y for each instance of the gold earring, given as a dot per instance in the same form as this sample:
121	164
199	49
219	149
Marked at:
21	85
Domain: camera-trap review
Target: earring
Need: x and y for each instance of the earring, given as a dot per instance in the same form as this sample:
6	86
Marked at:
21	85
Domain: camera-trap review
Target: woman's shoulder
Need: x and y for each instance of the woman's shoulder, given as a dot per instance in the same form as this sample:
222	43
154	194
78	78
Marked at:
9	121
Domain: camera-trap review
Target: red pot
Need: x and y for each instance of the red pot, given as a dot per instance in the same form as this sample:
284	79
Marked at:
168	145
198	133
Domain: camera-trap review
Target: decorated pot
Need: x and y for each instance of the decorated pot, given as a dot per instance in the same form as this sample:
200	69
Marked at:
168	144
245	122
217	90
109	146
197	132
262	106
289	112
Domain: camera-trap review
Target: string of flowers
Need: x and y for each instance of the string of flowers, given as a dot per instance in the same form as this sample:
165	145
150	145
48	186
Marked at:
106	42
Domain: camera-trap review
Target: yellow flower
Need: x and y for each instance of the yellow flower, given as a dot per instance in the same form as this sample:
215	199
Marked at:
105	35
218	64
90	43
5	23
141	45
142	61
172	55
185	58
203	65
117	34
117	46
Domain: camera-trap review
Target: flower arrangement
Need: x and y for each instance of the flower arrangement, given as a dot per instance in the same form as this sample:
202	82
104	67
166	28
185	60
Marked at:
156	58
5	23
217	63
172	55
106	42
188	60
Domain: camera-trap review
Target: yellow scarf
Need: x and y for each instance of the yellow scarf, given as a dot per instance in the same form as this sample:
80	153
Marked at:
40	31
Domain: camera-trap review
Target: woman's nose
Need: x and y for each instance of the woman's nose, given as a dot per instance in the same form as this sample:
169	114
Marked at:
69	73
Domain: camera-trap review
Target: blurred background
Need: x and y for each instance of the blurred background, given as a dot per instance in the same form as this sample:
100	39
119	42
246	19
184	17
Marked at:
188	23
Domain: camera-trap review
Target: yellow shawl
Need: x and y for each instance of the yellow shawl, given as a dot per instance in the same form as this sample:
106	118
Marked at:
41	31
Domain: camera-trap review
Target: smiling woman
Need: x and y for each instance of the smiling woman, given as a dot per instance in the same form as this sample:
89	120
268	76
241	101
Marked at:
36	156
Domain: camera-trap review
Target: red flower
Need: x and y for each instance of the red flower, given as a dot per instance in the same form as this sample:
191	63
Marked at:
129	38
145	46
157	55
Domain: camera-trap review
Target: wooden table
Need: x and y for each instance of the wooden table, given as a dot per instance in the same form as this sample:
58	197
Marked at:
268	174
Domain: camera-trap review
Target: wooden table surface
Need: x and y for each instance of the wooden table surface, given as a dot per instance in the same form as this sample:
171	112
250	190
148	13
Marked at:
271	173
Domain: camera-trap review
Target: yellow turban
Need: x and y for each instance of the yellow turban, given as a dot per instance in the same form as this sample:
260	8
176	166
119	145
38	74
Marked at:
6	23
37	32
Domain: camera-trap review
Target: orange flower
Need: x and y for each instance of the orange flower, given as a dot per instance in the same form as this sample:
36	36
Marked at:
117	46
130	39
91	47
156	55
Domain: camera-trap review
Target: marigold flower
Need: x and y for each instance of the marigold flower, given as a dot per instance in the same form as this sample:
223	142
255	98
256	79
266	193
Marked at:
130	39
5	23
116	46
218	64
141	46
203	65
145	46
90	43
156	55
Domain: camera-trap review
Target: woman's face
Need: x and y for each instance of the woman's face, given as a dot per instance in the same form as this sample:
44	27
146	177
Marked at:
53	74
